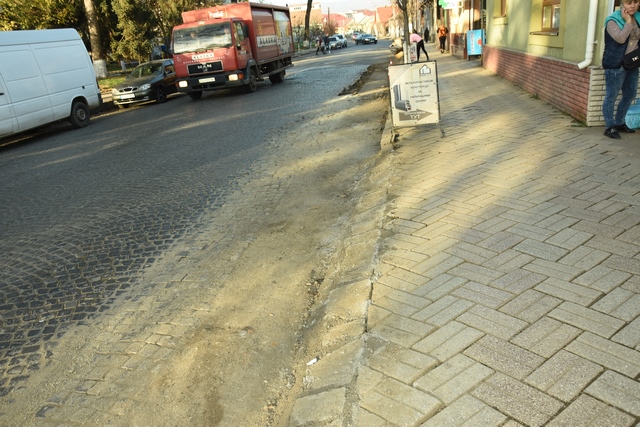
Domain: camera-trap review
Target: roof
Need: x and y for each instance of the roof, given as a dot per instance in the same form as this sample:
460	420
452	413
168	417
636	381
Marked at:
384	14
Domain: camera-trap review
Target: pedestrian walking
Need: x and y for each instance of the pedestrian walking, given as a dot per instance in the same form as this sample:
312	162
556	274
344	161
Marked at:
426	35
327	45
319	44
620	37
442	36
415	38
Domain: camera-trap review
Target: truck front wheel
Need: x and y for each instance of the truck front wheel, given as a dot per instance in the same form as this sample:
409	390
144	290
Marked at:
195	95
252	85
80	114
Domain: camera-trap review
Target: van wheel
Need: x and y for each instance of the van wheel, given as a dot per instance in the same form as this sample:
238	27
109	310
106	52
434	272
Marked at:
195	95
252	86
79	117
161	95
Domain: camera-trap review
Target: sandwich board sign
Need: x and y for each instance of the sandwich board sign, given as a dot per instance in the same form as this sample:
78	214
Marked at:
414	94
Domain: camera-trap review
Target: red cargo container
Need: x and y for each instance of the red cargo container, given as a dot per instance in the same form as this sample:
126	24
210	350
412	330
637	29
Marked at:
232	45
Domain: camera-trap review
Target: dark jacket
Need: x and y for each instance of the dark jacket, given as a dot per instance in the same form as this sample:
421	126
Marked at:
613	52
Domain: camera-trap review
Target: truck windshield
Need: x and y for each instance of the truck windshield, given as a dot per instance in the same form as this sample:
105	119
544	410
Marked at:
202	38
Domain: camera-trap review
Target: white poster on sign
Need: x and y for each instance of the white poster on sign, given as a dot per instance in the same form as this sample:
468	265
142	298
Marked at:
413	52
414	94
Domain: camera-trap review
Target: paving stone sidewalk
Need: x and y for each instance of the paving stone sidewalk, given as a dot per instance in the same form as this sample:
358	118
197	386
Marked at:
508	292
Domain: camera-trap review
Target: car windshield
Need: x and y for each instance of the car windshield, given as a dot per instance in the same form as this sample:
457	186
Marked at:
145	70
202	38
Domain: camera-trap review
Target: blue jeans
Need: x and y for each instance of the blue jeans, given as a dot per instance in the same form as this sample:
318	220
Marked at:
616	80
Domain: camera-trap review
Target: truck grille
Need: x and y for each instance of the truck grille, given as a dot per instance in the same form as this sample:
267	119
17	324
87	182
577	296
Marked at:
207	67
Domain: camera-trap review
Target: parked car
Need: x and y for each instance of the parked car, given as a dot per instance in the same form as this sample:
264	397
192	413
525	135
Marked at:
151	81
334	43
343	39
366	39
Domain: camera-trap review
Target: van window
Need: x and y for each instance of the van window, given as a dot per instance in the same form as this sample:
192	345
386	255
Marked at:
22	77
56	58
27	68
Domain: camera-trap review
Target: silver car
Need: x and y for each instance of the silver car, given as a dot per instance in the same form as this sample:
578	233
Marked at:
334	43
342	38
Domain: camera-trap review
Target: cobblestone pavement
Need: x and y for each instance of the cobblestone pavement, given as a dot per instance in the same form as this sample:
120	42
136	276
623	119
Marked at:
508	290
58	276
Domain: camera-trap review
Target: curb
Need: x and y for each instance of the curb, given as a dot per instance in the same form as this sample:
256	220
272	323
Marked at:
330	387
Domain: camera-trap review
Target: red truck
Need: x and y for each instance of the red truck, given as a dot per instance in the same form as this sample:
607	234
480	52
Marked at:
233	45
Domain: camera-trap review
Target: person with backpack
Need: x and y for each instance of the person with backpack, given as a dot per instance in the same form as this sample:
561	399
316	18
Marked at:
442	36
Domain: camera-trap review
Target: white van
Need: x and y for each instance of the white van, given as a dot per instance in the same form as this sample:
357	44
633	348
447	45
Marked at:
45	76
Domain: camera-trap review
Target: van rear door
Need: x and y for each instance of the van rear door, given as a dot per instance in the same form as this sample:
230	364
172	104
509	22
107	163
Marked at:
7	118
68	74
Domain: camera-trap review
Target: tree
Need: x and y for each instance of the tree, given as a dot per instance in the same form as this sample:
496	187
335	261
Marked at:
30	15
411	8
404	7
127	28
298	29
168	14
136	23
98	54
307	15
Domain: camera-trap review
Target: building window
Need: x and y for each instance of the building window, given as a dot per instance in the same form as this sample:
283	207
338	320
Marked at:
550	15
503	7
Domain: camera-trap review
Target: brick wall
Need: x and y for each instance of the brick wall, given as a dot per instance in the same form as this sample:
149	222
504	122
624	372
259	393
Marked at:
562	84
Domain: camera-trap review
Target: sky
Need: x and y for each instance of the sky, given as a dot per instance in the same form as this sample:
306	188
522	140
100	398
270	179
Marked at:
336	5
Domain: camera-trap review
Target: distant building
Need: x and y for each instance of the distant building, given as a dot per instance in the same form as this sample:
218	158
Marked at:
388	21
298	12
362	21
380	22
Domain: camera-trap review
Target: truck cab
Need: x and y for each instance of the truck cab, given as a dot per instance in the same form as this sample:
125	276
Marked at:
230	46
211	56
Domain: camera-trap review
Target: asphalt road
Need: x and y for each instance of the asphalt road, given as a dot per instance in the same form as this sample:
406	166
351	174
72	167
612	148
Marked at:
85	212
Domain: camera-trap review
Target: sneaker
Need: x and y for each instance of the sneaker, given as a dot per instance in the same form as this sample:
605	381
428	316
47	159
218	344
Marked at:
624	128
612	133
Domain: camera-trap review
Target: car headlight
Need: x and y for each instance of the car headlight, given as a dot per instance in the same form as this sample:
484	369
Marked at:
145	86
